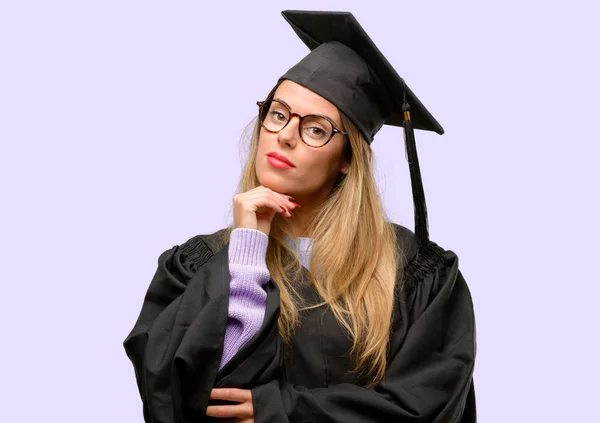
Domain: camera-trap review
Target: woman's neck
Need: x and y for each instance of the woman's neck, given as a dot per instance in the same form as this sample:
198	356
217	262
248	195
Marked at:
304	214
299	227
301	219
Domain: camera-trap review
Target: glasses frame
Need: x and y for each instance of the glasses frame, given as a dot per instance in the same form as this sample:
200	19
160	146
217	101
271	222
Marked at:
301	118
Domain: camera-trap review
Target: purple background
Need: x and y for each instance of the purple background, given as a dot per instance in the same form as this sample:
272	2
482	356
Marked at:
120	125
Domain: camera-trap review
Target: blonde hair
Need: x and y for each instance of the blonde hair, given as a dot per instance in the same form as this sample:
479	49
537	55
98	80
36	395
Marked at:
358	281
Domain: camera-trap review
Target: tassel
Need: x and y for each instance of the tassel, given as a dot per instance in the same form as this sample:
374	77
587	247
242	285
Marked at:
421	226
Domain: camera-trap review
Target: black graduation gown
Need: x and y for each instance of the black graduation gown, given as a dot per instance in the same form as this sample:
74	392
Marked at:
176	346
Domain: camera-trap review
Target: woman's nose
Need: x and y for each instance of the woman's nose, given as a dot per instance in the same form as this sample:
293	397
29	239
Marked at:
289	134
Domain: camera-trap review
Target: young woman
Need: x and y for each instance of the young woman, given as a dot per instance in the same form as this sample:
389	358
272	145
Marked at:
312	307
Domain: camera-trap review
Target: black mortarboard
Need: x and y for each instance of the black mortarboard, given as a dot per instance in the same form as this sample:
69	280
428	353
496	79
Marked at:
346	67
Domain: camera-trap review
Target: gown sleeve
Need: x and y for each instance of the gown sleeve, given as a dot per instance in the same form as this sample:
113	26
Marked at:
430	364
176	267
176	344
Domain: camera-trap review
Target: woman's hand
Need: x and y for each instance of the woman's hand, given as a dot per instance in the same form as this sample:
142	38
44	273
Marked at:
244	411
256	208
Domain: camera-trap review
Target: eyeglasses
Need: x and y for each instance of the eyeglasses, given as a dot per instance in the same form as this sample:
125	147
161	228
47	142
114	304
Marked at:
315	130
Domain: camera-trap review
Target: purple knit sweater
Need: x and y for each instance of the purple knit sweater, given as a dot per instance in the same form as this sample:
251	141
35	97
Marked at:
248	274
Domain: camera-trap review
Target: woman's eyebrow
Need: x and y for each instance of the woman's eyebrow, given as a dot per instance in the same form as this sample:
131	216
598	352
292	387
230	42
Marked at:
281	101
318	114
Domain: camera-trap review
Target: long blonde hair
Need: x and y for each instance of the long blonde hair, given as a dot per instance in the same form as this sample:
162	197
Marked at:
356	281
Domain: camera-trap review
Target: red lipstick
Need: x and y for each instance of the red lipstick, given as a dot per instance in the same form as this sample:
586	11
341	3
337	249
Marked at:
279	161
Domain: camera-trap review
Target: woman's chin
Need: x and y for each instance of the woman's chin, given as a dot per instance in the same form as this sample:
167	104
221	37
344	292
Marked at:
276	185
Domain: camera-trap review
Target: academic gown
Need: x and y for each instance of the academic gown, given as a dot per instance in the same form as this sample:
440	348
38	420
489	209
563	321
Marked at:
177	341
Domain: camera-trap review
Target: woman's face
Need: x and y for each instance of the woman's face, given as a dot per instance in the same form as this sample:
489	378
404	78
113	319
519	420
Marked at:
314	170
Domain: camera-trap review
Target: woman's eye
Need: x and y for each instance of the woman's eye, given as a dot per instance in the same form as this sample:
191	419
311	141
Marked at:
278	116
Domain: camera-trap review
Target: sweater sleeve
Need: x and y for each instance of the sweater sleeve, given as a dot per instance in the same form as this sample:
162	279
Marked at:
247	298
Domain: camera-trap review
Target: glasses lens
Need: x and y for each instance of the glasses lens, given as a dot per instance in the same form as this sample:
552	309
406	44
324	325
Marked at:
316	130
275	115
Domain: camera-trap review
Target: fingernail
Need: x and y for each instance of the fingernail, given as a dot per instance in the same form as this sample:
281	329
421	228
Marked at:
283	208
292	198
295	204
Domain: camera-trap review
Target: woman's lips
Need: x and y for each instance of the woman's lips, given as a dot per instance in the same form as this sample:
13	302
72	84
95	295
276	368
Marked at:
278	163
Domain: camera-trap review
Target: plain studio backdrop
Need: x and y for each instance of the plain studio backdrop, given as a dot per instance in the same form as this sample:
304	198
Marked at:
120	128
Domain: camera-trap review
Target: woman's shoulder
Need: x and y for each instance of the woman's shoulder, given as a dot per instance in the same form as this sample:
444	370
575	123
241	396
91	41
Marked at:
428	271
418	261
199	248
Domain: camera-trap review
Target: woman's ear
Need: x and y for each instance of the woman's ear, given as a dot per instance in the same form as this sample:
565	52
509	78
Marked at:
345	168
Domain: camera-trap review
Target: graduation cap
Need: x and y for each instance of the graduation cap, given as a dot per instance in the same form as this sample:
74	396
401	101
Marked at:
346	67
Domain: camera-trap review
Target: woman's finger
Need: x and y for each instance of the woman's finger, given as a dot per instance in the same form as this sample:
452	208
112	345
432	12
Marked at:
231	394
288	200
266	199
239	410
286	204
255	202
242	411
273	204
283	200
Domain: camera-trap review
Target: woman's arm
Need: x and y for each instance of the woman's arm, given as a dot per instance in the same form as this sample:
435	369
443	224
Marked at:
429	376
247	298
176	345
